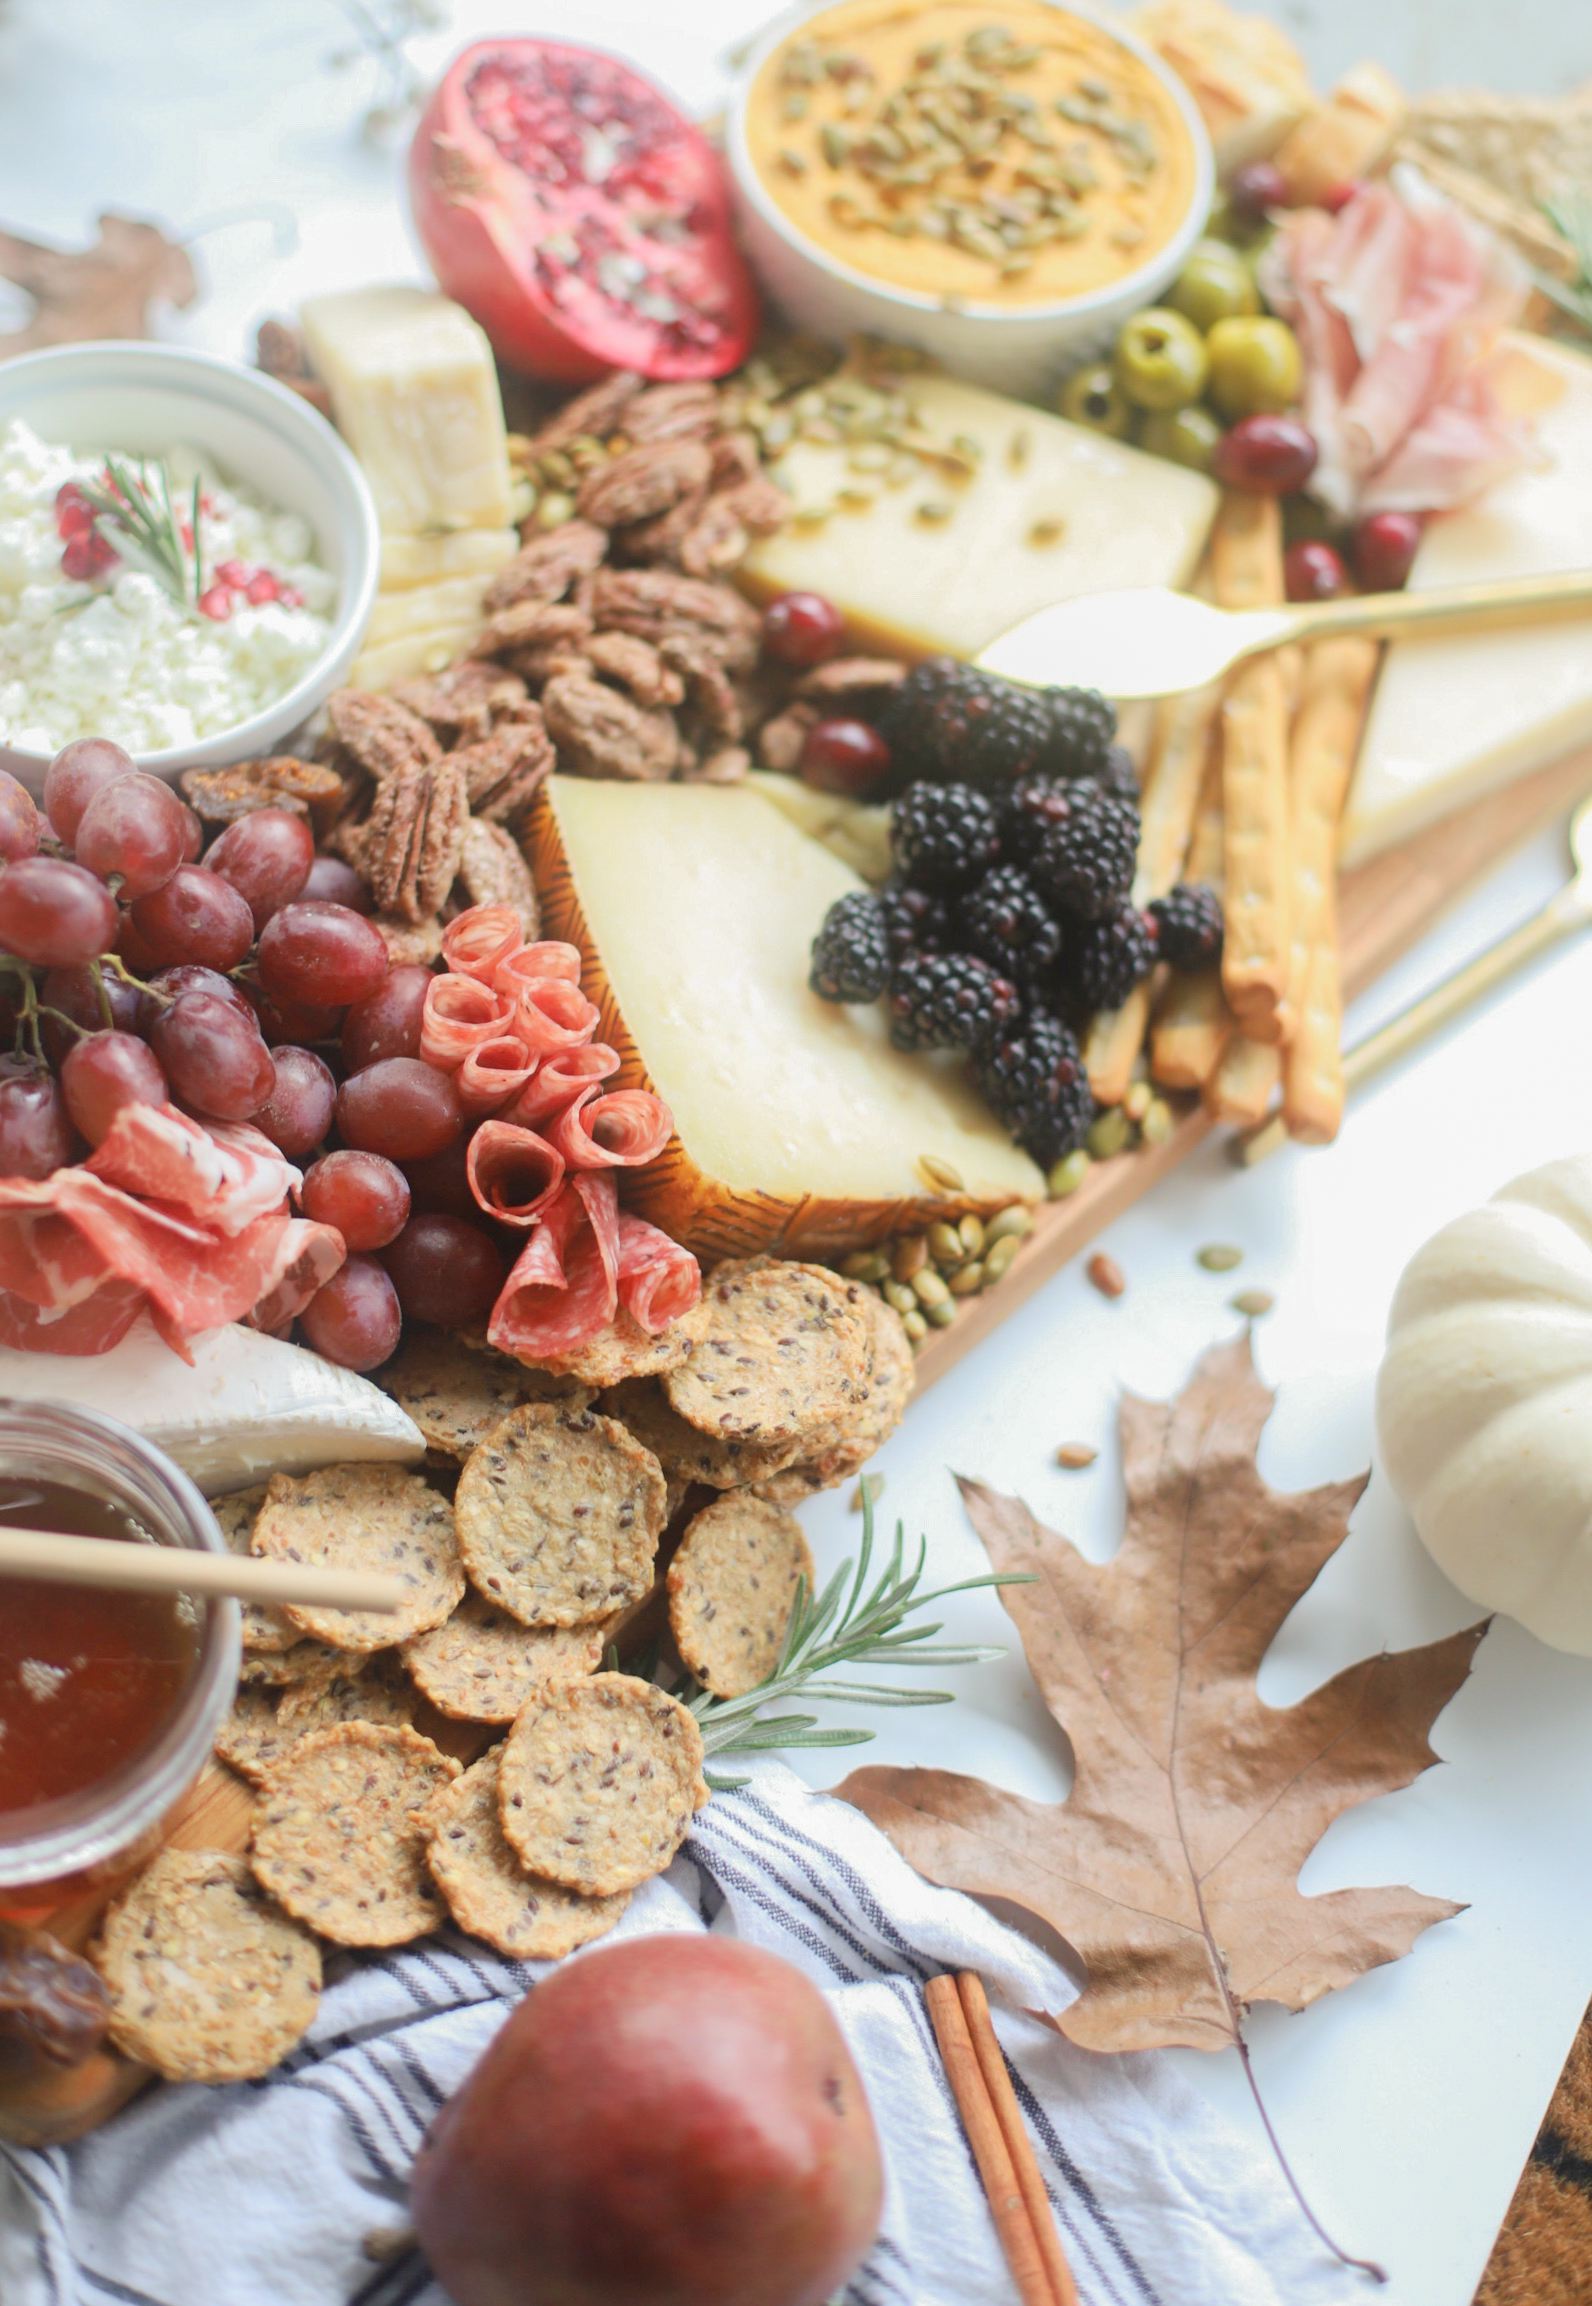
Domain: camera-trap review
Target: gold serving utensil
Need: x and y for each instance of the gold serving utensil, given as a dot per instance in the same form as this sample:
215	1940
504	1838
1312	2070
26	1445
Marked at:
1566	912
1151	641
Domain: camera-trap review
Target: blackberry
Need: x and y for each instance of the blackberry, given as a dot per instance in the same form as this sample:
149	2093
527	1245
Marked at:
1035	1083
851	952
1117	774
914	922
943	838
1005	922
947	720
1190	922
1085	857
1082	725
1105	959
948	1000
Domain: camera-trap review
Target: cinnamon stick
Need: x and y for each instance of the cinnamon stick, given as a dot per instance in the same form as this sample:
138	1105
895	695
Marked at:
998	2082
1007	2204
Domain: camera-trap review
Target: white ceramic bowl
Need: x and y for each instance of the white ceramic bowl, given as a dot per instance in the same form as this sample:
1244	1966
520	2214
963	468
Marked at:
1024	351
145	399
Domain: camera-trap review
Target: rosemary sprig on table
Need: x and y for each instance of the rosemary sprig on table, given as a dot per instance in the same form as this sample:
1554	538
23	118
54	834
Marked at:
143	528
1570	214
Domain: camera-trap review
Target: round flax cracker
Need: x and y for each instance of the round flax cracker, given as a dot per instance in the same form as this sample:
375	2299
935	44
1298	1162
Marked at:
731	1588
456	1393
212	1982
483	1664
559	1513
597	1784
365	1517
264	1627
489	1893
248	1740
847	1446
338	1838
624	1349
684	1451
785	1354
370	1686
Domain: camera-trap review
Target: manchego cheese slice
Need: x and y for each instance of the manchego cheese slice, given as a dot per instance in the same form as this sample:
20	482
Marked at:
797	1126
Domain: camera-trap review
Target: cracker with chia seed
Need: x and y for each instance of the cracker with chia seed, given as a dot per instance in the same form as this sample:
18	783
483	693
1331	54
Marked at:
597	1784
784	1356
483	1664
338	1837
489	1893
369	1686
731	1587
365	1517
456	1392
624	1349
264	1626
847	1447
684	1451
210	1981
559	1513
306	1661
248	1739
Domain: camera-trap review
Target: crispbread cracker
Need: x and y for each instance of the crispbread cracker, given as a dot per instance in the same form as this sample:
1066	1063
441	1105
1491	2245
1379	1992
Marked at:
559	1515
457	1392
306	1661
483	1664
624	1349
264	1627
211	1981
597	1784
731	1588
785	1353
684	1451
365	1517
337	1835
849	1445
489	1893
370	1687
248	1739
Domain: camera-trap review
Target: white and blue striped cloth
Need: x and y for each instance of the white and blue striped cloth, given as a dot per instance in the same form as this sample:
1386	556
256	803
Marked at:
291	2191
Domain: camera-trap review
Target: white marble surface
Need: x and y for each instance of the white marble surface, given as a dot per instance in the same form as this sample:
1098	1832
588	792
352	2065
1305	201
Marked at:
1410	2100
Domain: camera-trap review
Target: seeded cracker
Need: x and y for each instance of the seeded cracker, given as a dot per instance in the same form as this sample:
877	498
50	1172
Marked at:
483	1664
370	1687
338	1838
365	1517
684	1451
559	1515
786	1353
625	1350
456	1393
850	1444
248	1740
597	1786
211	1981
264	1628
489	1893
731	1588
305	1661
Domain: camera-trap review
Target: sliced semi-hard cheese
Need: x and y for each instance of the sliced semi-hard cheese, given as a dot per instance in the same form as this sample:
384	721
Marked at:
425	608
250	1406
1453	718
415	394
797	1125
859	834
933	562
407	561
424	652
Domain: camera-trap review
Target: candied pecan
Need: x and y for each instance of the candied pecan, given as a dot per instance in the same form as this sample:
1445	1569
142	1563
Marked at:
655	603
650	541
852	677
708	685
758	504
593	413
643	482
220	796
381	735
780	741
725	765
735	457
599	733
409	943
717	539
637	666
503	770
281	352
544	569
539	666
463	702
492	871
413	836
532	625
688	411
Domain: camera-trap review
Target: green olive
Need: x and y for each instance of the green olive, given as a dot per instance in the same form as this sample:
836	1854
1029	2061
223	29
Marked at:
1160	359
1184	435
1215	284
1094	397
1256	367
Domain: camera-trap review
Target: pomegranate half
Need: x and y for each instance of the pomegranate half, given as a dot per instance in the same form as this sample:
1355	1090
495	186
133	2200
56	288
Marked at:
567	204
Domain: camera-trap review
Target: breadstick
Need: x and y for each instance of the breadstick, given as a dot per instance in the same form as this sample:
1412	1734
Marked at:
1246	568
1242	1086
1246	552
1193	1023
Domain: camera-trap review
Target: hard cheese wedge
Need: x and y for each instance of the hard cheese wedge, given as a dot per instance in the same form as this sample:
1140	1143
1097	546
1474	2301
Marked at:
935	563
250	1406
409	561
797	1126
1453	718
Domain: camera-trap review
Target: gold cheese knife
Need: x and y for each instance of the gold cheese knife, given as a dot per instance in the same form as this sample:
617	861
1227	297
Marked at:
1151	641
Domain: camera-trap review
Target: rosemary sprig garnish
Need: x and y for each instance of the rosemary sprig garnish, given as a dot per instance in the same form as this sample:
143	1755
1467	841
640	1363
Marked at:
141	525
1570	214
834	1629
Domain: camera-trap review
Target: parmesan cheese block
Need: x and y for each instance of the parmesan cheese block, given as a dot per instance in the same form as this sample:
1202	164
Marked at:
797	1126
408	561
931	562
1454	717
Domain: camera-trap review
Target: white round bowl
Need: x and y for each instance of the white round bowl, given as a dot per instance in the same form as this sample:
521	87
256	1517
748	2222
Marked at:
146	399
1026	350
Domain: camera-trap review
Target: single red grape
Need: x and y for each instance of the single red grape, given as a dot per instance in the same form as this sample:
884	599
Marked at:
77	995
21	827
134	828
292	1021
446	1270
190	977
802	628
1384	547
844	756
1313	571
35	1129
1254	189
321	953
401	1107
267	857
75	775
54	914
439	1186
193	835
365	1197
354	1319
331	882
195	916
136	951
214	1057
105	1072
298	1112
1265	456
387	1022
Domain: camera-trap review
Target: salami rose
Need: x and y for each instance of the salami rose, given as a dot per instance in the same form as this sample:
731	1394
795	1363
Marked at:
563	1079
513	1173
477	942
460	1013
658	1280
492	1074
616	1132
564	1285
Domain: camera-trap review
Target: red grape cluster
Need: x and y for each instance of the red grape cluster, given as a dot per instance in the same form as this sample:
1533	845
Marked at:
138	967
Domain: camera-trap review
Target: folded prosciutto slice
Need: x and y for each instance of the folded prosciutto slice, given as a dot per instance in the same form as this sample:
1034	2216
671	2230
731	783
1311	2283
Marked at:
227	1174
564	1285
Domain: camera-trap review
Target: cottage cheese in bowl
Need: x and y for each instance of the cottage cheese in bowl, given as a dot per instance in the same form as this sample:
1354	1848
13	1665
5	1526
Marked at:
118	655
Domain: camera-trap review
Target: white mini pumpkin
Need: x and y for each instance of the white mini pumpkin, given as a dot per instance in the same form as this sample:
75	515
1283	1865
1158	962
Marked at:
1484	1403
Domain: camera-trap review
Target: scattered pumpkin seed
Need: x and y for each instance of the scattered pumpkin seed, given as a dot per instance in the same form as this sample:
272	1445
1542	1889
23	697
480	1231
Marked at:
1136	1103
897	1293
1253	1304
1159	1122
1068	1174
942	1315
1046	532
971	1235
1109	1134
1105	1274
1075	1455
1013	1223
555	508
932	511
946	1244
929	1288
940	1174
1219	1257
866	1265
914	1325
967	1280
792	163
909	1256
998	1258
1018	448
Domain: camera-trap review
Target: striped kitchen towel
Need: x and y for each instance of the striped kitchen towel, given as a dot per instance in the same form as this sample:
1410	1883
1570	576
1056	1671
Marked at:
291	2191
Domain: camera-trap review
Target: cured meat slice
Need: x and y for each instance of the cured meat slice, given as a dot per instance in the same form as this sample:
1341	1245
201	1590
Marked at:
553	1015
514	1174
563	1079
480	940
93	1326
658	1280
549	958
619	1131
227	1175
564	1285
460	1013
494	1072
306	1256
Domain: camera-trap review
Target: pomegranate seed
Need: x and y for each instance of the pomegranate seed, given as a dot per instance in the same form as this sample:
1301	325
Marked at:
85	556
74	515
216	603
290	597
262	587
236	573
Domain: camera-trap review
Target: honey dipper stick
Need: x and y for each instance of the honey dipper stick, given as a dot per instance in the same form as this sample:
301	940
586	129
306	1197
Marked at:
1193	1023
1246	563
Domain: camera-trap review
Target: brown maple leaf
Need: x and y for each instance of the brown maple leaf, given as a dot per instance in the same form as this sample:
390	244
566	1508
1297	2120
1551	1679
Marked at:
105	291
1171	1869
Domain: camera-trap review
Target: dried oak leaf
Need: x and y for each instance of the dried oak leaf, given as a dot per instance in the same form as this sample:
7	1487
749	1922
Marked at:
83	294
1171	1867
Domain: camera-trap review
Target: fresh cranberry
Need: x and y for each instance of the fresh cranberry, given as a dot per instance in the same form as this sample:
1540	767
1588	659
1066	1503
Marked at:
844	757
216	602
1254	189
1384	548
802	628
1265	456
1313	571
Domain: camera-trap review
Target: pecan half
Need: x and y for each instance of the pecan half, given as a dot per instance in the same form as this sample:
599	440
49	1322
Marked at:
852	677
716	541
650	541
637	666
594	412
492	871
382	735
599	733
409	943
780	741
413	836
708	685
544	569
463	702
539	666
532	625
688	411
655	604
502	771
221	796
643	482
735	457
